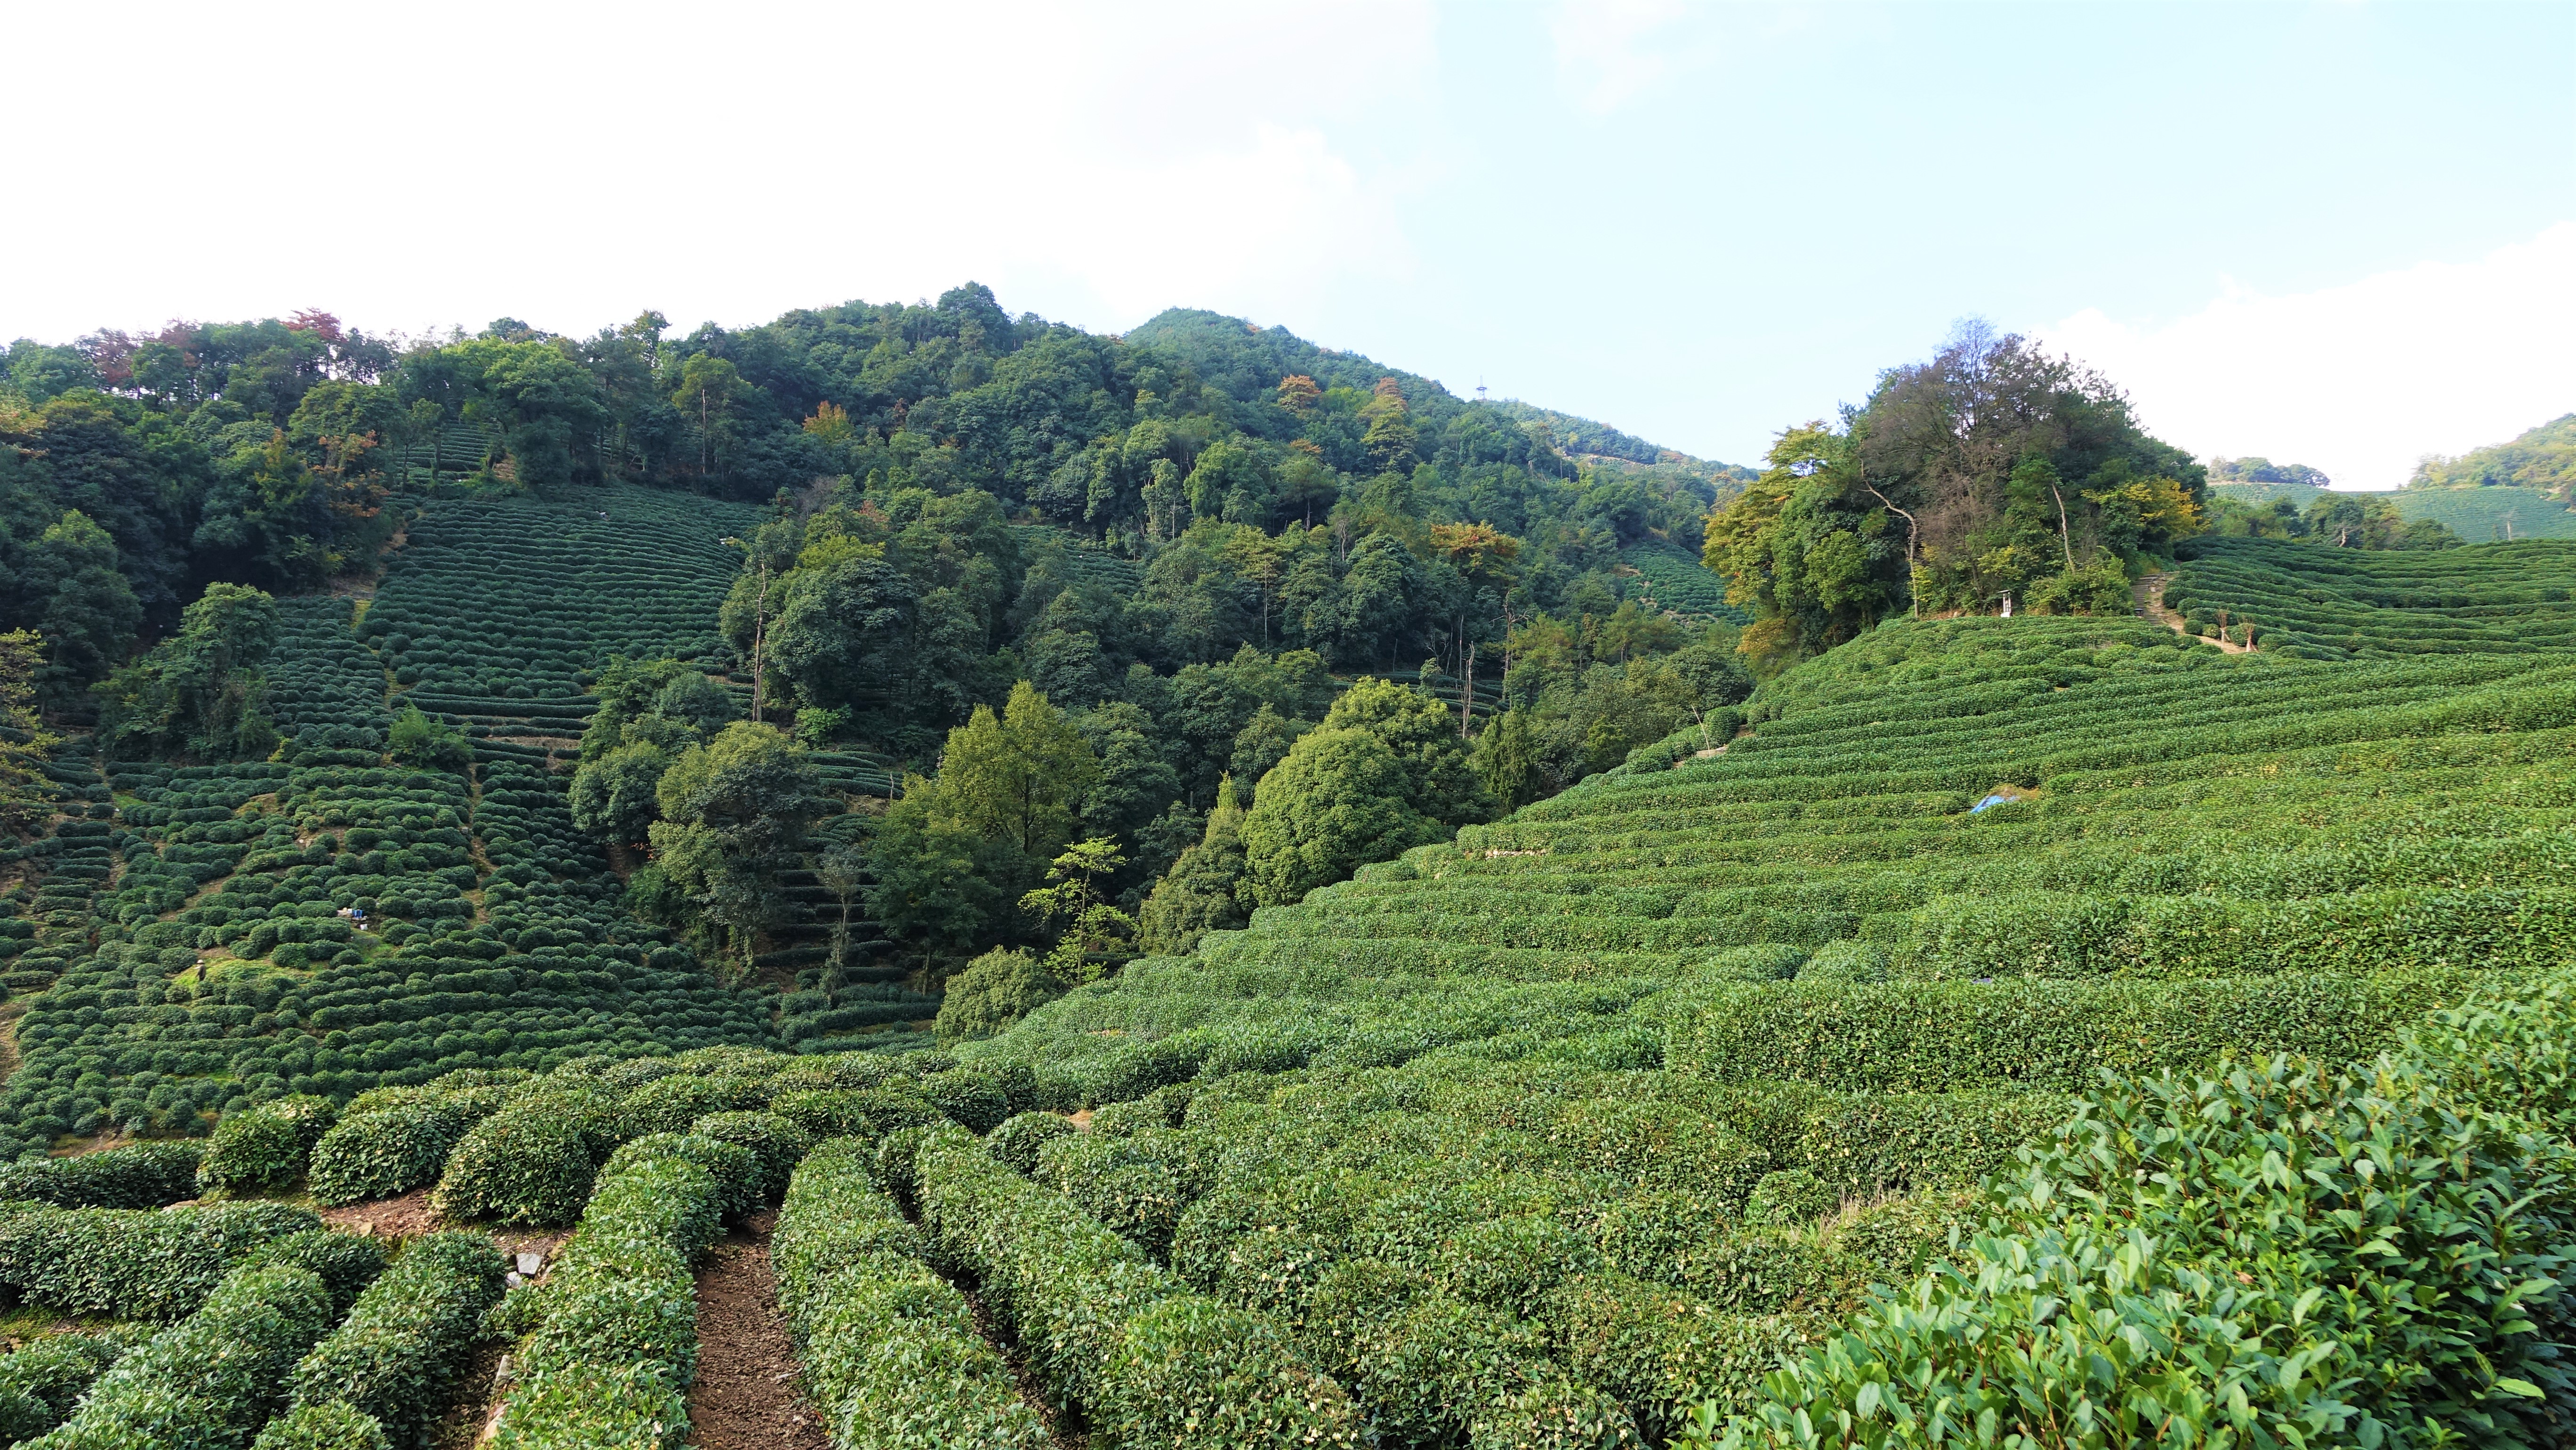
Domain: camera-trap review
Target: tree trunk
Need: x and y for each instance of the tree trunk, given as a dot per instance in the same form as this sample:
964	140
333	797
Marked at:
2065	538
1467	691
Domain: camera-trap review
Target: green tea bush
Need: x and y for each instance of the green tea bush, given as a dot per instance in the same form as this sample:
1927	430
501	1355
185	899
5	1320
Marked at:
345	1263
856	1112
389	1151
1144	1358
152	1265
41	1383
775	1144
210	1382
2183	1241
531	1162
395	1357
266	1146
329	1426
613	1345
1020	1138
671	1104
1789	1198
144	1175
890	1351
2056	1036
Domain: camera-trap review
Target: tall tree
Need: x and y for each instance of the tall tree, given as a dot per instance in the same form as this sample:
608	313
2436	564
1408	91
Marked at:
200	692
25	745
734	814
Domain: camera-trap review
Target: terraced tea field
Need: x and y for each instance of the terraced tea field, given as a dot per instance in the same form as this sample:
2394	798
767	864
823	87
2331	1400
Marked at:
1612	1103
189	923
2348	604
1674	579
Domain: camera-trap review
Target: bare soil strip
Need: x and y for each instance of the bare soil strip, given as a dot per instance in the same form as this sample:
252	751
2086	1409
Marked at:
745	1397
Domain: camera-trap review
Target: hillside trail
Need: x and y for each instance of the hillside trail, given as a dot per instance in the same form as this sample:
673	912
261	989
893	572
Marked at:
2149	592
745	1396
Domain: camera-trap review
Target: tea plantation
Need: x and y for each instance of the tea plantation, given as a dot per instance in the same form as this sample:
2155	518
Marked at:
2022	1032
208	937
2346	604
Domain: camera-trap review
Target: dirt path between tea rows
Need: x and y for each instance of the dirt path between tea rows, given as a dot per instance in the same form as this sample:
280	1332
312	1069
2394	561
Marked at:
745	1397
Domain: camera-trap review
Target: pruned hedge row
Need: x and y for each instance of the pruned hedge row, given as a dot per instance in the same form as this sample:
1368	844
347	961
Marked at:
1142	1357
142	1175
609	1343
153	1265
210	1382
395	1357
268	1146
2388	1269
2055	1036
889	1350
43	1382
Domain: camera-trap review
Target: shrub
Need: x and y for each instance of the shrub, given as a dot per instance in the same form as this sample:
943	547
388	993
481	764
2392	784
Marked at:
857	1113
992	992
1662	1354
1018	1140
776	1145
265	1146
670	1104
395	1357
329	1426
41	1383
210	1382
1790	1198
387	1152
733	1167
531	1162
345	1263
2347	1196
143	1175
1761	962
613	1346
2057	1035
1092	1315
973	1100
1856	963
156	1266
890	1351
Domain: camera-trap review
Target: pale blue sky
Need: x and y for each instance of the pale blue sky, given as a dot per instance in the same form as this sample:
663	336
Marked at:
2339	233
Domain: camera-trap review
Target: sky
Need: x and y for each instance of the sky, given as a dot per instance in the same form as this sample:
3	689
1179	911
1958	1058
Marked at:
2336	234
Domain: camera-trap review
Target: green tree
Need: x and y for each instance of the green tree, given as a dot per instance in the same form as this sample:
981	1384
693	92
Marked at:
957	852
1391	436
200	692
415	739
734	814
1094	938
26	798
649	713
1204	891
1506	760
88	611
1338	802
1019	777
710	389
992	992
616	797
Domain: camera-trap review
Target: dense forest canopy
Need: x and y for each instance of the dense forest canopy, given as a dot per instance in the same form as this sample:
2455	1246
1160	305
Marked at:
1993	471
139	470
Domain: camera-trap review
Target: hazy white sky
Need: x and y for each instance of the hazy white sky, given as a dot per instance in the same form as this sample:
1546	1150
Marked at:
2335	234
